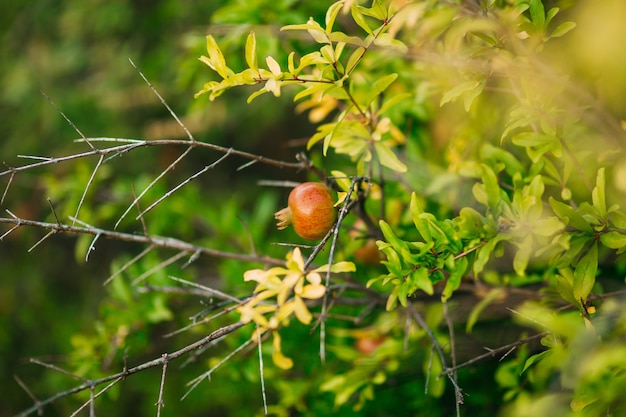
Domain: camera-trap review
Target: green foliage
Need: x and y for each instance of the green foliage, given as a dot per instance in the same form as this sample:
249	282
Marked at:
565	241
362	131
475	166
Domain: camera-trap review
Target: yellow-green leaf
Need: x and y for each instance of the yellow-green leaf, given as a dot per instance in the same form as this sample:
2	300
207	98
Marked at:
251	58
570	216
457	90
613	240
331	15
598	194
279	359
359	18
388	158
216	59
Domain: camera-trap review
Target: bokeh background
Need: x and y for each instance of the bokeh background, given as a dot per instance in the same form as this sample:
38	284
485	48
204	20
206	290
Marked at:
75	54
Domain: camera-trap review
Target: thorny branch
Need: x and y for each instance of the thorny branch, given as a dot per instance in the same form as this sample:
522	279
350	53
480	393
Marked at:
163	360
131	144
152	240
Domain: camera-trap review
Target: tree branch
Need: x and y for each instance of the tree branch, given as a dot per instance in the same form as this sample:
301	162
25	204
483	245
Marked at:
161	361
155	241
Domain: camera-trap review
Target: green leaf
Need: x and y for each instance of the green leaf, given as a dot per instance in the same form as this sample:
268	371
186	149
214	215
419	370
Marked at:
388	158
389	235
535	358
381	85
520	261
533	139
564	281
537	13
550	15
492	188
613	240
315	30
454	279
359	18
251	57
351	40
419	279
585	274
562	29
312	89
483	254
598	194
420	224
215	59
354	59
392	301
392	101
570	216
618	219
386	40
471	95
457	90
331	15
256	94
377	11
487	300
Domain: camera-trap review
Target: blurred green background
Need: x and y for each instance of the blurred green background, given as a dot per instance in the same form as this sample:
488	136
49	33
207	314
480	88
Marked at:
77	53
52	304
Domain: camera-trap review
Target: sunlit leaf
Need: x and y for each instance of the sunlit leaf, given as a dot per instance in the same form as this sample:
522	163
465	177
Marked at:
598	194
313	291
458	90
301	311
562	29
359	18
279	359
251	58
331	15
613	240
388	158
216	59
570	216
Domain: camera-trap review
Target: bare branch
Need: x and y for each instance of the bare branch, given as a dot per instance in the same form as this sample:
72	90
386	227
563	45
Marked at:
219	333
8	232
189	135
160	403
158	267
182	184
458	392
149	187
50	233
334	232
67	119
138	143
209	291
92	398
197	380
6	189
261	376
155	241
89	182
38	405
128	264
